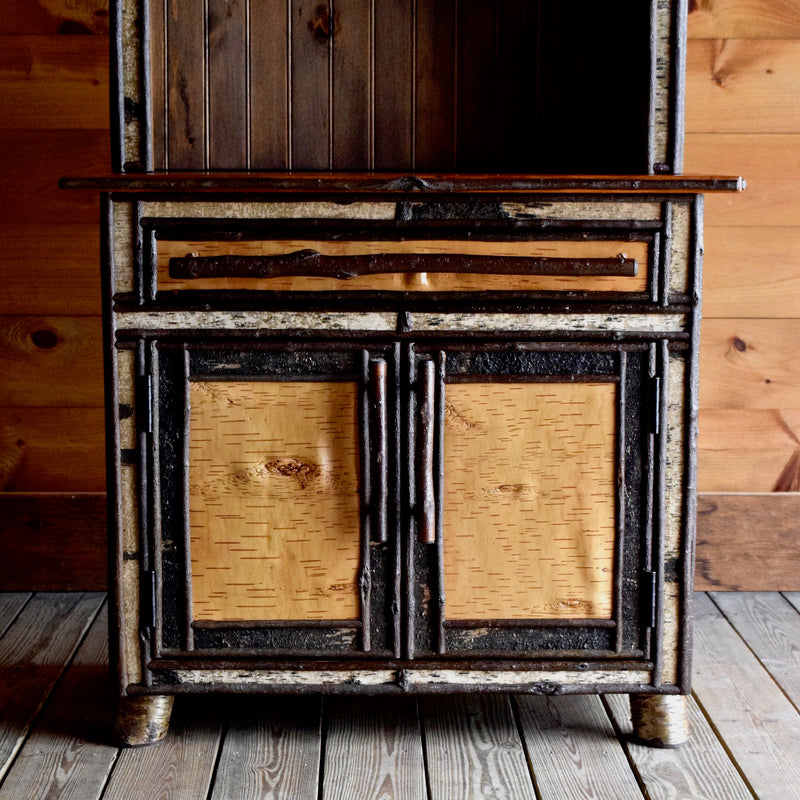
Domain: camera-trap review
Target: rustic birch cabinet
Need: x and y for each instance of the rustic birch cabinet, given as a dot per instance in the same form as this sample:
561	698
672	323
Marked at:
392	405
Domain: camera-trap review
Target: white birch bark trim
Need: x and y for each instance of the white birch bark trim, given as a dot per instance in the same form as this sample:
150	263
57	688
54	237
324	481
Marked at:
126	395
661	106
130	656
522	678
650	323
412	677
269	210
257	320
123	236
260	677
673	518
131	80
581	210
679	249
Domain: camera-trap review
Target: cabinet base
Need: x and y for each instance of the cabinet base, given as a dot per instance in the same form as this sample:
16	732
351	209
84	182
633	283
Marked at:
660	720
142	720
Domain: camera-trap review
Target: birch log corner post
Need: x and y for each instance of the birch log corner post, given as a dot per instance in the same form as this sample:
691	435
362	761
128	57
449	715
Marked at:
402	375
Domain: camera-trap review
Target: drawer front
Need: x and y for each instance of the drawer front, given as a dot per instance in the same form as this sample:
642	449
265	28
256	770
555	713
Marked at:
260	252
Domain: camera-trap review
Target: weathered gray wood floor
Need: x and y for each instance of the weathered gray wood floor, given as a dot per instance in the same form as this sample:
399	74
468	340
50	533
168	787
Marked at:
54	717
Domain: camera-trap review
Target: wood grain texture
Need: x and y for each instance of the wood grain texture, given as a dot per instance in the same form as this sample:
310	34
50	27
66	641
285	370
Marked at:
271	750
729	554
413	281
65	17
373	749
700	770
771	628
744	86
40	358
49	443
749	363
573	750
67	754
770	163
751	272
53	542
473	749
352	85
32	161
530	500
310	30
274	500
757	723
179	768
186	79
749	450
228	101
269	92
744	19
11	603
33	654
50	269
45	80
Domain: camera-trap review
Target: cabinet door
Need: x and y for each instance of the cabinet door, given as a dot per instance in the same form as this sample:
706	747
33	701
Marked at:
531	500
274	493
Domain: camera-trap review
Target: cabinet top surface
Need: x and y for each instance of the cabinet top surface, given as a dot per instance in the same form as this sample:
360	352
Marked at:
398	183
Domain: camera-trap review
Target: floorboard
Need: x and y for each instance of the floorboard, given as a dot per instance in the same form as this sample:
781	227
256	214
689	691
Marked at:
33	654
67	755
770	626
473	749
373	749
55	719
179	768
701	770
271	750
573	750
756	722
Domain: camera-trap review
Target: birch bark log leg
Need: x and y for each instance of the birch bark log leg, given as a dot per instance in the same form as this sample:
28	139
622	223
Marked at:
660	720
142	720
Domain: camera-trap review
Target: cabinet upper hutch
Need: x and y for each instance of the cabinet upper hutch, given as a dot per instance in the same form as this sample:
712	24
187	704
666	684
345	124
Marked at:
402	306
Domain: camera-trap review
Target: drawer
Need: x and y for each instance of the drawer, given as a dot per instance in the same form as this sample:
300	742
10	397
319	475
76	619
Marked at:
403	264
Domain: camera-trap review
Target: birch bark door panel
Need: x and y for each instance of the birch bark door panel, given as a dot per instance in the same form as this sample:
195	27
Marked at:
532	531
272	500
536	467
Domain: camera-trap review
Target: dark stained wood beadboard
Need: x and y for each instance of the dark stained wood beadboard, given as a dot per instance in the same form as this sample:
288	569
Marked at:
745	724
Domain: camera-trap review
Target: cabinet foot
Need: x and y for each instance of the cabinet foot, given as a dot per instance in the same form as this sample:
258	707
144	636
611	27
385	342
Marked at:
660	719
142	720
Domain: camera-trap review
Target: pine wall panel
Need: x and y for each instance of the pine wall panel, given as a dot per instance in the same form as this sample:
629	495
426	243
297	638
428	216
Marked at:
743	117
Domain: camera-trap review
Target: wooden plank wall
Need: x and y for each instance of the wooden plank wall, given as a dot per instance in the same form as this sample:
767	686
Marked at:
743	118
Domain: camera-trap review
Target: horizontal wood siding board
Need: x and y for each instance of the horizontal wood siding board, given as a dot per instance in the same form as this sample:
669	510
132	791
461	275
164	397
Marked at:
40	448
748	542
63	17
741	85
50	269
53	542
54	82
744	19
51	361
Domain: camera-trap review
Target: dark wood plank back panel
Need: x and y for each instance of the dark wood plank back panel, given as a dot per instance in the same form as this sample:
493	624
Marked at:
394	100
228	46
186	82
310	42
269	85
429	85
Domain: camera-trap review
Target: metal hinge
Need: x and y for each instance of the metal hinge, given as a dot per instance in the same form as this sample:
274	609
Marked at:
654	405
147	599
145	403
647	592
